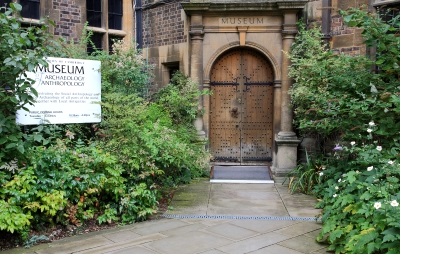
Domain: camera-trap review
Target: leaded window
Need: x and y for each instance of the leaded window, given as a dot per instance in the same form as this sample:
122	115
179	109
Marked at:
115	14
94	12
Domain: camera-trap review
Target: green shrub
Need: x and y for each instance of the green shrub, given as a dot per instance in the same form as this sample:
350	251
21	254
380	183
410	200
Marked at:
339	97
306	176
147	143
111	171
21	50
180	98
360	199
335	94
124	70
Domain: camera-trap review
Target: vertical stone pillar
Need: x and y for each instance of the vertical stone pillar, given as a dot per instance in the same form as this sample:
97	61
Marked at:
196	64
286	140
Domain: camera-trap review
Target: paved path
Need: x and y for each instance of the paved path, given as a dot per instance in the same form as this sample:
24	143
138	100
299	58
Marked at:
210	218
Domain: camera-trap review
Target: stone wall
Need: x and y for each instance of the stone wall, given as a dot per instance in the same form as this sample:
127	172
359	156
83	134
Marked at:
68	16
342	39
163	23
346	39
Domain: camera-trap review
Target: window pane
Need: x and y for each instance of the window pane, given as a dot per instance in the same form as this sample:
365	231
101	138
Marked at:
115	14
111	40
30	8
97	42
389	12
4	3
93	12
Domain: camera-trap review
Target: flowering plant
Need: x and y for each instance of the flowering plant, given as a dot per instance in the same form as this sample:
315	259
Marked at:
360	199
341	100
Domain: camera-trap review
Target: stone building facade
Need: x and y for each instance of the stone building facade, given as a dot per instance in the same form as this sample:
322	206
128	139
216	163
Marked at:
70	17
215	33
234	48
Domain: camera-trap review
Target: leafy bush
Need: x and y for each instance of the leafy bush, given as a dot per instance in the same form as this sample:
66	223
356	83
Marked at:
109	172
306	176
147	143
124	70
360	199
68	183
21	50
338	97
335	94
180	98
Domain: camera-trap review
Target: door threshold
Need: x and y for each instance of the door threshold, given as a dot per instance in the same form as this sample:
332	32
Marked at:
241	181
240	164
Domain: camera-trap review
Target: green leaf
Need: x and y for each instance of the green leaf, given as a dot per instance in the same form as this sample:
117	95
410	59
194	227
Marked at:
335	234
21	148
366	195
10	145
38	137
16	6
389	238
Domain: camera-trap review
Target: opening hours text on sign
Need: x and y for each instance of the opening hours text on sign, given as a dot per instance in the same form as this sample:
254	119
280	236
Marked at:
69	91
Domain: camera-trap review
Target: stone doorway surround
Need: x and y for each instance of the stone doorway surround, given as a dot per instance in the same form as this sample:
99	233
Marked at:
269	28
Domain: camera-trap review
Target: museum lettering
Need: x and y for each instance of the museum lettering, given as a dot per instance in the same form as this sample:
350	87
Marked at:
61	68
242	20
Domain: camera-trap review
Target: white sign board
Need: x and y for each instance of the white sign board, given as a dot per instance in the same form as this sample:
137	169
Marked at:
69	91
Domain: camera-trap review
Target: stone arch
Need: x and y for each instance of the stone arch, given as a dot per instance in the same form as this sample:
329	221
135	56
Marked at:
236	44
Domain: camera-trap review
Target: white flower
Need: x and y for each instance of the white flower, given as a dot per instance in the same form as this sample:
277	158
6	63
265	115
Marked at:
379	148
320	173
339	180
377	205
394	203
370	168
369	130
335	195
385	110
390	162
336	187
353	143
371	123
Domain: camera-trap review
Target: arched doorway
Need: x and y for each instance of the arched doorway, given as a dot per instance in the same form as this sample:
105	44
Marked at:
241	108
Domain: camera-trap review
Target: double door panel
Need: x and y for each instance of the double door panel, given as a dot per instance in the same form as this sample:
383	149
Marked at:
241	116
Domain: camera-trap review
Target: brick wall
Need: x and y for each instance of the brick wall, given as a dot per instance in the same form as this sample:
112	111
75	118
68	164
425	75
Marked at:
162	23
346	39
343	39
70	16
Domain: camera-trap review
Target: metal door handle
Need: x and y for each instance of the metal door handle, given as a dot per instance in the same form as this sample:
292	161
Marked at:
234	112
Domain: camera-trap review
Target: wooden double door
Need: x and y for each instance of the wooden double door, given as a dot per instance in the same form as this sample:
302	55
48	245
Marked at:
241	108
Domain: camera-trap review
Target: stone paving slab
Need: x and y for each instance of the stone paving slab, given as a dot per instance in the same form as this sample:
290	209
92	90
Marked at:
184	230
77	246
242	187
134	250
192	242
253	243
264	226
159	226
302	244
300	229
275	249
214	218
121	246
245	212
232	231
244	194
